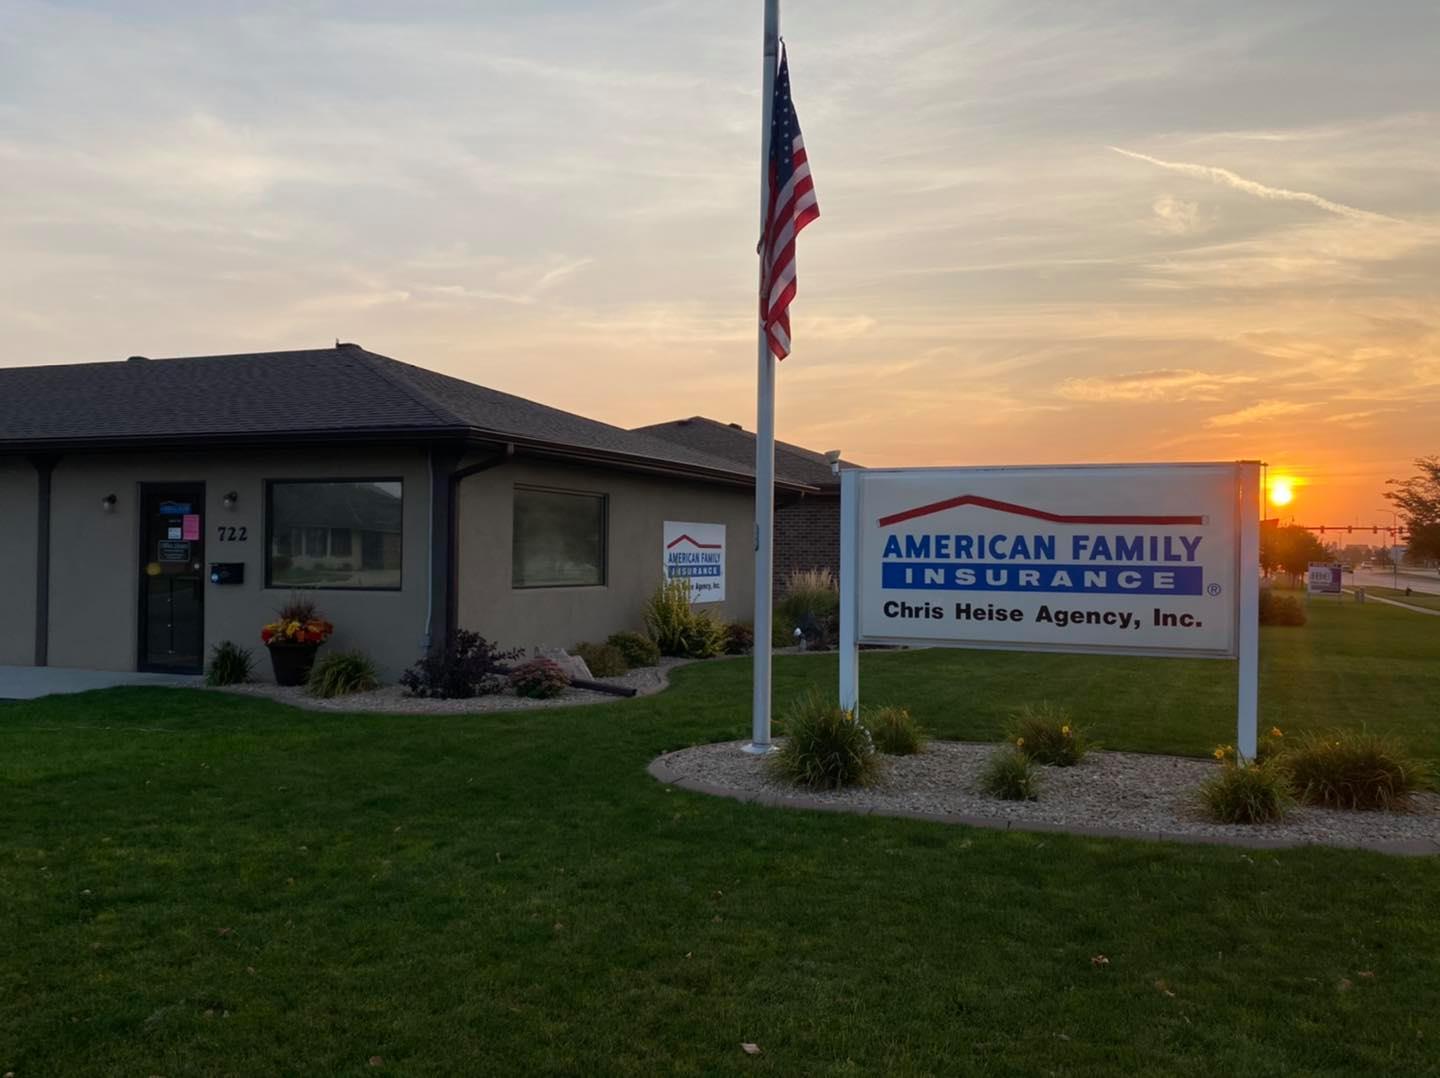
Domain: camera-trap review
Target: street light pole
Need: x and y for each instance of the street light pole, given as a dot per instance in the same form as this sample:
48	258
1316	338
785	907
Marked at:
1394	540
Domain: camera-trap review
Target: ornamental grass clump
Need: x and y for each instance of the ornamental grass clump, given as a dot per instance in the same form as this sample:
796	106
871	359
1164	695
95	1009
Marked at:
677	627
1010	775
1248	793
637	648
894	730
1353	769
539	679
341	674
810	603
1045	733
230	664
826	747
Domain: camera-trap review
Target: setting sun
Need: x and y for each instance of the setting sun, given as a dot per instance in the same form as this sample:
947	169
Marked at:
1282	491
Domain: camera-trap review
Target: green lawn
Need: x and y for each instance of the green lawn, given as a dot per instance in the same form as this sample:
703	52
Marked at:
195	884
1416	598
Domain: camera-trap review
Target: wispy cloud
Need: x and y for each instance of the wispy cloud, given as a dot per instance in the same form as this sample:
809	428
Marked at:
1272	409
1226	178
1178	217
1153	385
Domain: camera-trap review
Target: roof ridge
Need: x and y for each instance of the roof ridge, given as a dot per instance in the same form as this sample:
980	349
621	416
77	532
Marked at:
813	455
419	396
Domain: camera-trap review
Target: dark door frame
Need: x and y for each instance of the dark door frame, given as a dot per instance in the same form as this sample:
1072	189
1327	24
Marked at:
142	604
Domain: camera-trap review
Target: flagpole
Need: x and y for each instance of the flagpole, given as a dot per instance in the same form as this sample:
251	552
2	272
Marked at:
764	422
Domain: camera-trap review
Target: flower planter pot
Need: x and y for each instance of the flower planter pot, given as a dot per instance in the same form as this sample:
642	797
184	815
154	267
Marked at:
292	662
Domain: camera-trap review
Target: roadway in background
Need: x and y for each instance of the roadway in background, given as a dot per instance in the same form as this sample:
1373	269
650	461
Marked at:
1384	578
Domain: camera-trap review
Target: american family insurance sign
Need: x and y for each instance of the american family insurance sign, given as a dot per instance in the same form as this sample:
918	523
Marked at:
696	552
1140	559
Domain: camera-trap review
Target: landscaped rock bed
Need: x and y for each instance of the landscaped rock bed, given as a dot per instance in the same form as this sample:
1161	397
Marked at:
1114	793
645	680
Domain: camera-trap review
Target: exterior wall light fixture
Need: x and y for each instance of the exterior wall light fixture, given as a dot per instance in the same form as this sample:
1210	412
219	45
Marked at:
107	503
230	500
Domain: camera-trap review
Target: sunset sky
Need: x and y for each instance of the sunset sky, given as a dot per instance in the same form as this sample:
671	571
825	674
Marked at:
1050	232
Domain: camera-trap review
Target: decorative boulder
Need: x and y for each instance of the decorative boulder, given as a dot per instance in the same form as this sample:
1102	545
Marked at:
571	664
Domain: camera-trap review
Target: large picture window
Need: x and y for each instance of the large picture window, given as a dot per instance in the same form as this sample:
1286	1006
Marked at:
559	539
342	533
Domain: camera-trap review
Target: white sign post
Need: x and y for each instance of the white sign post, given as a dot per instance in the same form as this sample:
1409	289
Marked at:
1146	559
696	552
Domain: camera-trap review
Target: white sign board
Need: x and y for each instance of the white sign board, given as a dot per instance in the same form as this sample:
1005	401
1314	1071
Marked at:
696	552
1138	559
1324	578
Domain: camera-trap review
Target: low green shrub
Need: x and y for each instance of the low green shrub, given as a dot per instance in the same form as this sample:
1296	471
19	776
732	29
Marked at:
825	747
467	665
1353	769
341	673
1254	793
637	648
539	679
604	660
678	627
1045	733
1010	775
739	638
895	731
230	664
782	631
1280	609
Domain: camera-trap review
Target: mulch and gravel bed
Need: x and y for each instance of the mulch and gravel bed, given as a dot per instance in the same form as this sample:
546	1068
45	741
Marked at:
645	680
1113	793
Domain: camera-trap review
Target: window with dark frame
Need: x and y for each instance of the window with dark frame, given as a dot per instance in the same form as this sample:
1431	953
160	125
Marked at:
559	539
313	528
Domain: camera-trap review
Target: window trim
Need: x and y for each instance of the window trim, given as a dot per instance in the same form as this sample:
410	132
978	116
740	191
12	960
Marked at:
602	496
269	529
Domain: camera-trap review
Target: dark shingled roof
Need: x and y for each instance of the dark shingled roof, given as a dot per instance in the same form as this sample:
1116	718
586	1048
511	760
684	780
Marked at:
343	392
734	443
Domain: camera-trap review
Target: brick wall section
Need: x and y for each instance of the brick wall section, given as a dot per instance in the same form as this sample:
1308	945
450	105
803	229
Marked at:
807	536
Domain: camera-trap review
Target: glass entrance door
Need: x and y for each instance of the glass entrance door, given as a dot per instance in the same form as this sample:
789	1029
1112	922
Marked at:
172	583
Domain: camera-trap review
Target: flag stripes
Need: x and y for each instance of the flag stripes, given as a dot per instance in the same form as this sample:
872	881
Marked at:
792	206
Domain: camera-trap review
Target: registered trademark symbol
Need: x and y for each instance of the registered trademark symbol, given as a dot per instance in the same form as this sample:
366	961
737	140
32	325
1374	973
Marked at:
1214	589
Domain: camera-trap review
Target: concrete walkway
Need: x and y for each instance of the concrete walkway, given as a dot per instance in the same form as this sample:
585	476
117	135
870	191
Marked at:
33	682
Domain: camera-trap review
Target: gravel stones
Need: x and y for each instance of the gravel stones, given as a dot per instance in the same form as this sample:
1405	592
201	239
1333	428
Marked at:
1134	794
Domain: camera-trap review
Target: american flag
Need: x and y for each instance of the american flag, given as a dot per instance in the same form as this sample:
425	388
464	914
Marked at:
792	207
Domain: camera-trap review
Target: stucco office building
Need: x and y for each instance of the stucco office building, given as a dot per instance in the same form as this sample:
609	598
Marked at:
150	509
807	515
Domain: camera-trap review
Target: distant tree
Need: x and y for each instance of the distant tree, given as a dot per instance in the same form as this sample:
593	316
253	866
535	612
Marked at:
1418	501
1424	546
1290	549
